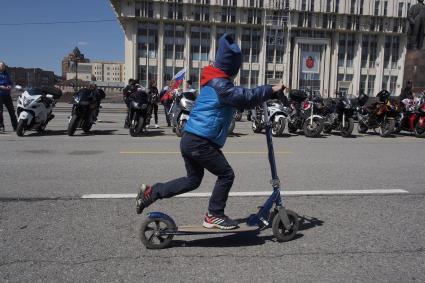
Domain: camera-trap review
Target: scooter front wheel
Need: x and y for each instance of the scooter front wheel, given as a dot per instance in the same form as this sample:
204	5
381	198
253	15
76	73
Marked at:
152	233
280	232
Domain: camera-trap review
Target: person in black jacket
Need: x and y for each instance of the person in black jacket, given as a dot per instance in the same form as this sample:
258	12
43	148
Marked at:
153	92
127	92
407	91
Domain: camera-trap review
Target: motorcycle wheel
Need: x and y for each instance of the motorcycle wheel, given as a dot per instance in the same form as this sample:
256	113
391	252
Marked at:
419	131
87	127
313	130
327	129
72	125
361	128
280	232
292	129
256	128
278	127
20	129
231	127
348	129
180	128
40	130
387	128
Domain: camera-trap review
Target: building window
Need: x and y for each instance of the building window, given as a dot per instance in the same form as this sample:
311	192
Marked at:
200	43
275	45
370	85
148	40
328	6
254	78
377	8
144	9
385	8
168	74
201	13
353	7
254	16
228	14
361	7
175	11
143	75
152	74
244	78
194	76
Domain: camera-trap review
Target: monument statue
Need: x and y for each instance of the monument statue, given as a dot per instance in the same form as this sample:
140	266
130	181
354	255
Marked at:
416	18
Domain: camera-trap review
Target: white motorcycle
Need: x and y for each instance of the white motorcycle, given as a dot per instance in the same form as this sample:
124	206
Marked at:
180	110
34	109
278	114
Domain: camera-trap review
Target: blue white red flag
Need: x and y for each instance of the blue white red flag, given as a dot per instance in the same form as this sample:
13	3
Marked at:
178	79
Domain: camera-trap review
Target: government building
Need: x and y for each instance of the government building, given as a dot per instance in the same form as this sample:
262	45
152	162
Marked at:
324	45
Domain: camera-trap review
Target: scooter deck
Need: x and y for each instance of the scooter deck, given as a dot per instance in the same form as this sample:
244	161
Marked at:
198	229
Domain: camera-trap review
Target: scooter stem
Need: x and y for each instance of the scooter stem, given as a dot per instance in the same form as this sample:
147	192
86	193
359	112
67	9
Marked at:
275	178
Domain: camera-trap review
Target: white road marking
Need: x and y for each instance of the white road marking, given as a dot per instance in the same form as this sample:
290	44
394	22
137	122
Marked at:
259	194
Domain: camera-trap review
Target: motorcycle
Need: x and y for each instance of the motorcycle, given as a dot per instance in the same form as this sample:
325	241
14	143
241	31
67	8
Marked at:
180	110
84	111
412	118
306	113
277	113
35	107
339	116
380	115
139	113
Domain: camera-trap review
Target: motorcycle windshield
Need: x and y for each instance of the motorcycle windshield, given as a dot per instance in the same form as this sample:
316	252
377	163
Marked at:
84	95
189	95
34	92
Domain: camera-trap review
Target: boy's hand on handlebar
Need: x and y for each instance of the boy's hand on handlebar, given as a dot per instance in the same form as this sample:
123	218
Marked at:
278	88
278	91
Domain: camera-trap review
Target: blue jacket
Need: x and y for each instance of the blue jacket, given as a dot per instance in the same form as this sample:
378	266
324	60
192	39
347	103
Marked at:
214	108
5	81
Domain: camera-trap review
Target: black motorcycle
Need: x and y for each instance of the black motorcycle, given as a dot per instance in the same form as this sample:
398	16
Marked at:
380	115
306	113
139	112
84	111
339	116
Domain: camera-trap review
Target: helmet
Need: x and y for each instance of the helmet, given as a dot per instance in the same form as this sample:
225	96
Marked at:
362	98
383	95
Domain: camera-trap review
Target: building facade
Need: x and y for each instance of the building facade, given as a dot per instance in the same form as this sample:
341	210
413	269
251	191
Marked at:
32	77
326	45
99	71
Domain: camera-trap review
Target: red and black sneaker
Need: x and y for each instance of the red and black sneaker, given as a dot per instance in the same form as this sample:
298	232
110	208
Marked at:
220	222
144	198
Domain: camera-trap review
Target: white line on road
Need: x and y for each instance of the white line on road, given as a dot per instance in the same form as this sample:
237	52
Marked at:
259	194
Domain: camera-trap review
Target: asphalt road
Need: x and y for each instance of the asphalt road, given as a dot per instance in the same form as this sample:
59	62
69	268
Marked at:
47	233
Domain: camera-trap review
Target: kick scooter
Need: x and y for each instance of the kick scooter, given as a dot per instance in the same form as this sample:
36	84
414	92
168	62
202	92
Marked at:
158	230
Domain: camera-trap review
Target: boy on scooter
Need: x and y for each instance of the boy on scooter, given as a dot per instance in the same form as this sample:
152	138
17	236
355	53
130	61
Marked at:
206	133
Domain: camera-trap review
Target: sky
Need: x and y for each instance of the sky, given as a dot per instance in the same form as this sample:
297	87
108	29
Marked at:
44	46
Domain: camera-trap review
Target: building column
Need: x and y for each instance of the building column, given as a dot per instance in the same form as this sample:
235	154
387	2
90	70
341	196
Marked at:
380	66
333	83
400	63
187	62
357	65
131	59
213	45
161	62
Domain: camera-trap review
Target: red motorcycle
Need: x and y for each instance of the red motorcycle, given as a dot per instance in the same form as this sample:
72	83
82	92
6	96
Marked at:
413	117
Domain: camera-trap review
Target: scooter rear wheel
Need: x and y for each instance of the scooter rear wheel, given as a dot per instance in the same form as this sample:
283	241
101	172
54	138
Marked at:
150	233
280	232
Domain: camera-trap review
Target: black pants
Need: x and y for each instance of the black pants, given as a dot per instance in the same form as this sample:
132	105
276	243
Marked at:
7	101
199	154
167	107
155	112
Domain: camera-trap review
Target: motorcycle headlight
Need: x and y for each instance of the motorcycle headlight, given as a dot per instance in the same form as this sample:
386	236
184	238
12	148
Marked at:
77	99
27	101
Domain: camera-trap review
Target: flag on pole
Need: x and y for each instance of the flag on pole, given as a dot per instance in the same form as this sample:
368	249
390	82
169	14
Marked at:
178	80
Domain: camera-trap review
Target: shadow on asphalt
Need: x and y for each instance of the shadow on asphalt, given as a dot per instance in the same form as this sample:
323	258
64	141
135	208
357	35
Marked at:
338	134
246	239
48	133
95	133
